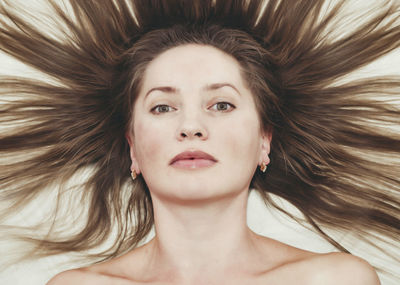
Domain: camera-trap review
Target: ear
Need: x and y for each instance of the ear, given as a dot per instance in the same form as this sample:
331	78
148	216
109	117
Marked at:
265	148
134	165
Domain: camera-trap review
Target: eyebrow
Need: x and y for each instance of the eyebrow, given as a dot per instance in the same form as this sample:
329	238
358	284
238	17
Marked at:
215	86
208	87
165	89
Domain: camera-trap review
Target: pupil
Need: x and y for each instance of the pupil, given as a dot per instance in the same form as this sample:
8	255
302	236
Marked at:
221	106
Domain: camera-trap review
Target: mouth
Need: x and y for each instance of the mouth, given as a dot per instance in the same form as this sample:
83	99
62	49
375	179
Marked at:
193	160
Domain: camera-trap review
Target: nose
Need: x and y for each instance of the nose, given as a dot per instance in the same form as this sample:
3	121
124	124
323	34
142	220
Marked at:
192	126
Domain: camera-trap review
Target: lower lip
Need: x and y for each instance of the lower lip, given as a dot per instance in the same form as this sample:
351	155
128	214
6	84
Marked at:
193	163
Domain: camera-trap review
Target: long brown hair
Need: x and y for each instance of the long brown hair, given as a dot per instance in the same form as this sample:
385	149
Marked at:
333	151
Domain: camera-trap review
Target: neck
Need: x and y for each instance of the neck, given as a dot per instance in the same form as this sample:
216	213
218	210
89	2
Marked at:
193	239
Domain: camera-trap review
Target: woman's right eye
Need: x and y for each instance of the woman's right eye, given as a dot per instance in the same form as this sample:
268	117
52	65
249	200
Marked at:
161	109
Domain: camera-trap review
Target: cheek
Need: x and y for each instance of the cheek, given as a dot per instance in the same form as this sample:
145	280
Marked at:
148	144
243	140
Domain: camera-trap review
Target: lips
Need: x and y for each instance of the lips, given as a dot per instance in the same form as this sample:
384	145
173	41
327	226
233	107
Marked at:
193	159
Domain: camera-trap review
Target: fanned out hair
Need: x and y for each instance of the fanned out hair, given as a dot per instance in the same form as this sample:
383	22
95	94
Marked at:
334	153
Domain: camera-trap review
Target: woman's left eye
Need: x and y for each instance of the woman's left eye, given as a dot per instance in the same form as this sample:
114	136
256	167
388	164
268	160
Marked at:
159	109
222	107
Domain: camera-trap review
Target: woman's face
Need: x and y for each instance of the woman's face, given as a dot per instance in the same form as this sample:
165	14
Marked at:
196	133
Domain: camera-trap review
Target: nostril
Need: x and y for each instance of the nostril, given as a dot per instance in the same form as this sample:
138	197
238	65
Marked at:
191	134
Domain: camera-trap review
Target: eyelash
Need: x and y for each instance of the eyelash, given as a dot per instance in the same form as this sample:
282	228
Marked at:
156	109
230	107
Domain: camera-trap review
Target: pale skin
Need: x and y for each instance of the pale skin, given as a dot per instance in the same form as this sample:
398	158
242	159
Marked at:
194	98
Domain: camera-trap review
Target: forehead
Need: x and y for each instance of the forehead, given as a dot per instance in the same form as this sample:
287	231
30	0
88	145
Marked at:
193	65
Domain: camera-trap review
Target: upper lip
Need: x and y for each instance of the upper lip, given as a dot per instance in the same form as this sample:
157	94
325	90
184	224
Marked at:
197	154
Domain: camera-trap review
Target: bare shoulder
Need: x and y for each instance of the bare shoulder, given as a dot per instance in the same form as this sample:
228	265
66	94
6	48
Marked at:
340	268
296	266
117	271
85	277
71	277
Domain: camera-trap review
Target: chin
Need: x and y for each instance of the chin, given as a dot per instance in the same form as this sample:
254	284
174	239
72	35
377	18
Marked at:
197	194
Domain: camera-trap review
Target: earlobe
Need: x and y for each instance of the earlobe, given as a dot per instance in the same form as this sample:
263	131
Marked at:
265	150
134	165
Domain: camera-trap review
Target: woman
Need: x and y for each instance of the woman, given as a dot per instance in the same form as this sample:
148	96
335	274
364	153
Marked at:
199	93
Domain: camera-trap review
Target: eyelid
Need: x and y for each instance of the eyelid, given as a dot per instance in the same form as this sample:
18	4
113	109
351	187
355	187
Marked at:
153	109
232	106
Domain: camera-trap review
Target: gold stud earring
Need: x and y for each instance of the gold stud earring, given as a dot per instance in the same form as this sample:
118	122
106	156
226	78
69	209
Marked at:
133	174
263	167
